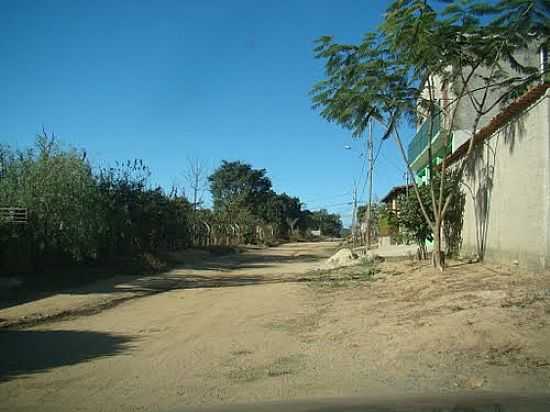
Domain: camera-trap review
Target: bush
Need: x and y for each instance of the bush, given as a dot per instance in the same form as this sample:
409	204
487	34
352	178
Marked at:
78	216
59	190
412	220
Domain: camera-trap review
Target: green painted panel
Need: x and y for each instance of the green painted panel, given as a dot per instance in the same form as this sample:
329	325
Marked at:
421	140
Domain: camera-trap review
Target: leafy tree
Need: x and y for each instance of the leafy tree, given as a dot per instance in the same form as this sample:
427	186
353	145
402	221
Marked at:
454	218
122	196
238	190
77	216
390	76
282	211
292	211
58	188
384	222
330	224
137	218
411	219
244	195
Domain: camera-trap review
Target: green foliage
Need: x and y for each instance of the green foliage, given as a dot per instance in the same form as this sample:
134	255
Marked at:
471	45
76	215
384	222
362	212
244	195
412	220
329	223
383	77
454	217
59	188
136	218
238	190
282	211
388	222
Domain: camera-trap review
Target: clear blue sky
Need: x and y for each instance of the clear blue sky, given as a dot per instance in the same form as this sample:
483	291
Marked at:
166	80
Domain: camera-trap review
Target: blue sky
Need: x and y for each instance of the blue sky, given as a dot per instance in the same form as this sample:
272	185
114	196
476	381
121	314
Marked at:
167	80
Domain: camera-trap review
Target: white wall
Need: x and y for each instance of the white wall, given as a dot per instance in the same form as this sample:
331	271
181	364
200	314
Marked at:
518	212
459	138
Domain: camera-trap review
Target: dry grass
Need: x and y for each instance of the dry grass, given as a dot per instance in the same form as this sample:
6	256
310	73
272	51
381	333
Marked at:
286	365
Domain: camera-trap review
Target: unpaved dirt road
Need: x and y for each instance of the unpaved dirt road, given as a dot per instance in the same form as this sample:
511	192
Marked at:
239	329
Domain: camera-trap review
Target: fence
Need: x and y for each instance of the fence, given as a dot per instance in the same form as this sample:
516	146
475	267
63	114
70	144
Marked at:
16	215
230	234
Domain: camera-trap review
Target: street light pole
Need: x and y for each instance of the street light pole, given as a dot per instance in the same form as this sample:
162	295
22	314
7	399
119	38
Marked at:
370	154
354	217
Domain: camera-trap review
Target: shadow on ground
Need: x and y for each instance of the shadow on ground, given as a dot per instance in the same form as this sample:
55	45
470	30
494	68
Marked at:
250	261
30	351
187	272
167	281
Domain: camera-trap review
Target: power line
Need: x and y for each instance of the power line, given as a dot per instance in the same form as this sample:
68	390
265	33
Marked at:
391	163
333	205
324	198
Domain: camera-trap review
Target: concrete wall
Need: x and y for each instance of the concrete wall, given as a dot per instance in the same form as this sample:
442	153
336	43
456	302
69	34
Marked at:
509	177
384	241
459	138
465	112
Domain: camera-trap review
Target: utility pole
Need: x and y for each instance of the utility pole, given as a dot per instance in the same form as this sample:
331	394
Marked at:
354	217
370	156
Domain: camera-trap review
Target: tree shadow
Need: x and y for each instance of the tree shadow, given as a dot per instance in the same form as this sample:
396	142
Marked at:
246	261
481	175
514	132
212	274
157	284
31	351
480	172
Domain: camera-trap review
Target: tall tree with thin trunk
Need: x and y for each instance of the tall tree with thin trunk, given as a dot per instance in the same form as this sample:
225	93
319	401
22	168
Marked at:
196	178
429	59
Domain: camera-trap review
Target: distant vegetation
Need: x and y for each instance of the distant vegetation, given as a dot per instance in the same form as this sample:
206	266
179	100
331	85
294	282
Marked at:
244	195
78	214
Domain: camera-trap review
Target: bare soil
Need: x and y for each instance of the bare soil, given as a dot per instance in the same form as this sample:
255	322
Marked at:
268	325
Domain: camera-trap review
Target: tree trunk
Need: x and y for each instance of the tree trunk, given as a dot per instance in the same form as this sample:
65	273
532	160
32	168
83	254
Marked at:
438	256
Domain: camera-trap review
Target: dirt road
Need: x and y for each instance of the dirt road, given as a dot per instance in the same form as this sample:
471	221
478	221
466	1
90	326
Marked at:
221	332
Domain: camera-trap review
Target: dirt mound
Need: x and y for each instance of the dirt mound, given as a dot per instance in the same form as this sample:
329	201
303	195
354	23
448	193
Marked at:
344	257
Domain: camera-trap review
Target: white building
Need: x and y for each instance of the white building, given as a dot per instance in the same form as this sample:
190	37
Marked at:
507	179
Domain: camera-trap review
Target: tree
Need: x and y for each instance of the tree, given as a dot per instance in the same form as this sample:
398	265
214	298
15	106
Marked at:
58	188
292	211
383	222
282	211
122	200
470	46
197	183
329	224
238	190
77	216
411	219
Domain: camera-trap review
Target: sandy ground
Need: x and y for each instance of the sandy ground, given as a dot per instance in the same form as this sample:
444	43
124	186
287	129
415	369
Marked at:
242	329
196	269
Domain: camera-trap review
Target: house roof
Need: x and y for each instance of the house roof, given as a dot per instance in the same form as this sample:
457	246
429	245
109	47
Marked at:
500	120
395	191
